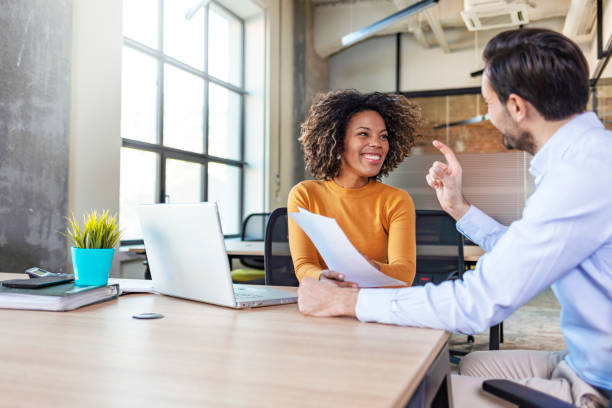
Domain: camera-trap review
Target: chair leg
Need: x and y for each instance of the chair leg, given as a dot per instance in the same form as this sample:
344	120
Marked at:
494	337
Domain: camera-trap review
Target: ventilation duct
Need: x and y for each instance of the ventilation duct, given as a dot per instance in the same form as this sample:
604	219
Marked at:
487	14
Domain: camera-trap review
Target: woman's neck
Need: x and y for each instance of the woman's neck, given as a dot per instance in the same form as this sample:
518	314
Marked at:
351	181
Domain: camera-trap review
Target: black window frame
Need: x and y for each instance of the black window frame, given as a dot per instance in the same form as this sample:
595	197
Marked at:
165	153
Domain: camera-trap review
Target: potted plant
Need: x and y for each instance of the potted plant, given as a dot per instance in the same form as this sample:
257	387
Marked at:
92	246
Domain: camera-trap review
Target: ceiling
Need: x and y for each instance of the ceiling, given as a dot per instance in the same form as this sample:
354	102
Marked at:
440	25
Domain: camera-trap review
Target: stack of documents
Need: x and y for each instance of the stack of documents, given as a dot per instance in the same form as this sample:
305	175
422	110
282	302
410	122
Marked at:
56	298
133	285
338	252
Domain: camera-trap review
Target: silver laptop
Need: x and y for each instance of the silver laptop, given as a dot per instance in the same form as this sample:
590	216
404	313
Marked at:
187	257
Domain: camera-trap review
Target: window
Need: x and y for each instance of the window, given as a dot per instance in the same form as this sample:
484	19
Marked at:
182	109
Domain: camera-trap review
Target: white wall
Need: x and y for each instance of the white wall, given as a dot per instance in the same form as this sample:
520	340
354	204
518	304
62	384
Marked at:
370	65
95	115
366	67
279	101
591	54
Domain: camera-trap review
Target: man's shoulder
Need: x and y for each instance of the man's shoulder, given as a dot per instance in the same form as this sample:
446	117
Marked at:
590	149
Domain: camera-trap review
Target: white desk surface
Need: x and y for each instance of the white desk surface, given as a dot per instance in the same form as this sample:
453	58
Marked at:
204	355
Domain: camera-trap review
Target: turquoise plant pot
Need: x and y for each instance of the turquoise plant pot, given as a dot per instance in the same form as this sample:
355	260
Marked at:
91	266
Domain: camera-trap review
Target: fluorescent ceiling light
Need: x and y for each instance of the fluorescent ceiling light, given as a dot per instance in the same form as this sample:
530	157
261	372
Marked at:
365	32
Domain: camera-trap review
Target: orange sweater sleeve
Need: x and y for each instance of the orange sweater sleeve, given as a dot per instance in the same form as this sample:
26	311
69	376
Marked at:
304	253
401	250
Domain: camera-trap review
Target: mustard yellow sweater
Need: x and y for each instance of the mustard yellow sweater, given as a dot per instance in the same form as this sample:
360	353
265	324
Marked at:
378	220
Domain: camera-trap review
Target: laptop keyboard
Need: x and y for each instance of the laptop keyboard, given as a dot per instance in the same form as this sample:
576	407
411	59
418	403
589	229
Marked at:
247	293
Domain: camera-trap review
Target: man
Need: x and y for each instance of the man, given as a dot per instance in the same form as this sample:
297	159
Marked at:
535	84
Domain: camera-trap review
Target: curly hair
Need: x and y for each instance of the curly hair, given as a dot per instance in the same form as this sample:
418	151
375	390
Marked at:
322	133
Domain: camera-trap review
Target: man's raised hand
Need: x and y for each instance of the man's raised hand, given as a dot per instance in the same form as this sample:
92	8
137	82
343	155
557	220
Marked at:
445	178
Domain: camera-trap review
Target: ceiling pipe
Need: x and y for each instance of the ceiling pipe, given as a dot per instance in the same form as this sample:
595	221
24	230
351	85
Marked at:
413	24
580	15
370	30
436	27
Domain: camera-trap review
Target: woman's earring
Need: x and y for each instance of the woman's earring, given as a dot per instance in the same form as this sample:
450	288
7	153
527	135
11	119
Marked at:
338	157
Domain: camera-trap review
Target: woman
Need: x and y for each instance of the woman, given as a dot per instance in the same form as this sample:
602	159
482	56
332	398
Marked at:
350	141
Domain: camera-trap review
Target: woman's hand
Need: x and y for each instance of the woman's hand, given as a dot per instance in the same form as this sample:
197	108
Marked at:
336	278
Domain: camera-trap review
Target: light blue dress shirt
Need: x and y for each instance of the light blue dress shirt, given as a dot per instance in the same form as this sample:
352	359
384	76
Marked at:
563	239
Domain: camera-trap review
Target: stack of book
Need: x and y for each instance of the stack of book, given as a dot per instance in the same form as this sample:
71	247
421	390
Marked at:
67	296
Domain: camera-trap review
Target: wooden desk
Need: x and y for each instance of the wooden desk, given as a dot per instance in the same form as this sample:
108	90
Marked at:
236	247
203	355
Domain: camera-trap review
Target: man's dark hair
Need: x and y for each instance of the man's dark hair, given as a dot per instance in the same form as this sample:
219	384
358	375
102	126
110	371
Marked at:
542	66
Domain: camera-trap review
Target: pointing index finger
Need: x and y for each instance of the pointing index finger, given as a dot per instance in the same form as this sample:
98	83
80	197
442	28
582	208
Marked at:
449	155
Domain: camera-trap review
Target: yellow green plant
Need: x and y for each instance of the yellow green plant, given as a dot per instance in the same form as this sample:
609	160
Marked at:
99	231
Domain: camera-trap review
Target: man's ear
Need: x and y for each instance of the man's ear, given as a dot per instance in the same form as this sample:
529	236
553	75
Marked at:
517	107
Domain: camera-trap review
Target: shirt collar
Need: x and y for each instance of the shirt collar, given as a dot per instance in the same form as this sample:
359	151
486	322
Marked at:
560	141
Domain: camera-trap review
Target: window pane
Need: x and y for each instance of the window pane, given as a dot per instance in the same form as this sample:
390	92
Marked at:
224	187
138	186
138	96
223	123
225	46
183	110
140	21
183	181
184	31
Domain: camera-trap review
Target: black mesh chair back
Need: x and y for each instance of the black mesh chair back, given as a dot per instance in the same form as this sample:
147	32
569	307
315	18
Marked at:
439	247
279	265
254	229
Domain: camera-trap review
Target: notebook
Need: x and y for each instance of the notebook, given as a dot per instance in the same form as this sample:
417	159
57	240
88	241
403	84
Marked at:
187	258
62	297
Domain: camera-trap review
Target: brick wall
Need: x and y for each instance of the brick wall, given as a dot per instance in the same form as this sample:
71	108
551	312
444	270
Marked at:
477	137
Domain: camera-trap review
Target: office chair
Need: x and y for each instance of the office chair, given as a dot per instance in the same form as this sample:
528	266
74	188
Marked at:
253	229
439	248
278	262
440	258
439	253
521	395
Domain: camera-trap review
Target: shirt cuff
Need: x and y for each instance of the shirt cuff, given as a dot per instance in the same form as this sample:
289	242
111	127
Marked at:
374	305
476	225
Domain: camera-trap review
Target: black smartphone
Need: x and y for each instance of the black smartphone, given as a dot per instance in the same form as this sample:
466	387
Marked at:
36	283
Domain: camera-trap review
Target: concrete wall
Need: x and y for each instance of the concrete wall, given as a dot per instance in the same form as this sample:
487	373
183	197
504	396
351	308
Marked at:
310	77
35	40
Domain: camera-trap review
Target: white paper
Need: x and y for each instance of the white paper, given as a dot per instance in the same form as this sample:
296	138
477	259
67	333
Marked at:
133	285
338	252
